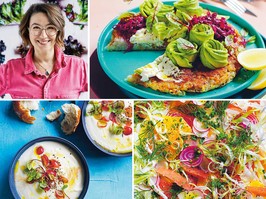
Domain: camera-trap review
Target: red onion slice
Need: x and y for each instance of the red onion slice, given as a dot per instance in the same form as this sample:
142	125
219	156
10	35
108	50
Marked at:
191	156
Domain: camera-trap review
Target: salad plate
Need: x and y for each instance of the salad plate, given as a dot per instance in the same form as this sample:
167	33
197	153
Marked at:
199	149
108	125
118	65
49	166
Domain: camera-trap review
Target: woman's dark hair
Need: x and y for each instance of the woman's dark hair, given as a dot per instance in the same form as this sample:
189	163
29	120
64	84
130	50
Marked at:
54	15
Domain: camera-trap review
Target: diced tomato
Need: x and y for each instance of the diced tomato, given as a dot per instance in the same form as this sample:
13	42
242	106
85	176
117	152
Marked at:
237	177
63	179
104	119
45	160
128	123
54	164
127	130
51	174
39	150
128	111
46	189
166	184
50	171
105	105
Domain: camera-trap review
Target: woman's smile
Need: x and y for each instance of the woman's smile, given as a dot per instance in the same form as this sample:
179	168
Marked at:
43	42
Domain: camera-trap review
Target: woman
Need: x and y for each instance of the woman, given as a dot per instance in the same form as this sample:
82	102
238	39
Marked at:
45	71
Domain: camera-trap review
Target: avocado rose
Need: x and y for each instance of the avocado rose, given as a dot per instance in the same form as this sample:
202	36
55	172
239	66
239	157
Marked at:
200	33
182	52
154	7
213	54
191	7
169	30
155	11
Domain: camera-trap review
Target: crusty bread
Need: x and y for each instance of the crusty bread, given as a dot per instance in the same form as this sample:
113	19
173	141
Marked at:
23	110
53	115
71	119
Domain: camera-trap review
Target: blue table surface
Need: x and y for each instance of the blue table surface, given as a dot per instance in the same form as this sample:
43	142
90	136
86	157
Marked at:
110	177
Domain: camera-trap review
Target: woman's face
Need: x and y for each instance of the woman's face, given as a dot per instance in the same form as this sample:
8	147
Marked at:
39	38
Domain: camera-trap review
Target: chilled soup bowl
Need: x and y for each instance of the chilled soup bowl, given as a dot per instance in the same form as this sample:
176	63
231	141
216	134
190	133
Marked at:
93	141
77	153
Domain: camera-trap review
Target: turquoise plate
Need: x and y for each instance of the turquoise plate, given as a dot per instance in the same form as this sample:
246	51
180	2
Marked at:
118	65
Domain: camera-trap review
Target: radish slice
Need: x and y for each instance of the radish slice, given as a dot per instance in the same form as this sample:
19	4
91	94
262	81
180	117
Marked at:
153	180
250	119
199	133
199	126
210	139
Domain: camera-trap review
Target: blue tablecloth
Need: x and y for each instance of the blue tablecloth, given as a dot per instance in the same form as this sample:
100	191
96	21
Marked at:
110	177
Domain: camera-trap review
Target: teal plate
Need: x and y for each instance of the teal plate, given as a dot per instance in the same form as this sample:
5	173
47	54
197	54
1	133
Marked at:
118	65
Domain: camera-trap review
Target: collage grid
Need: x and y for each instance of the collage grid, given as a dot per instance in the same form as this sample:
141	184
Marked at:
131	101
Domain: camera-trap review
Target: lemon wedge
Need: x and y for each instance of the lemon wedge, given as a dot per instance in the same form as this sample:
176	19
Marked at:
253	59
260	82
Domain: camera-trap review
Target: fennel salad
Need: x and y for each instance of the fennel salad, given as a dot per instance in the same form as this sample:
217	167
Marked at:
199	149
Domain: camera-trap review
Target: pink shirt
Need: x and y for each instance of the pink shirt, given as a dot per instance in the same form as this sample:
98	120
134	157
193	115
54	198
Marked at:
20	78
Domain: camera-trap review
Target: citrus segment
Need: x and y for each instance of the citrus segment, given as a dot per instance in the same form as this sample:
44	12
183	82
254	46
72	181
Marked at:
260	82
253	59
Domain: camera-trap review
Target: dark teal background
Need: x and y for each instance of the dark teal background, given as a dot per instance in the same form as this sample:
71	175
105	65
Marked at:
110	177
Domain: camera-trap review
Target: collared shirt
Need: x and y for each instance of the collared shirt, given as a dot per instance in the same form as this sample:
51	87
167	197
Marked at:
21	79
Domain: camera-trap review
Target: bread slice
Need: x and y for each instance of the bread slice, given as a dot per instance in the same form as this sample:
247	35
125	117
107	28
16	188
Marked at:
71	119
53	115
23	110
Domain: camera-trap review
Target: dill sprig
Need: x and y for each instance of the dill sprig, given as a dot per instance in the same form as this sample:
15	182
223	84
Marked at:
147	138
210	114
220	107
